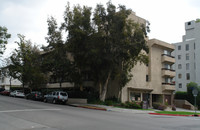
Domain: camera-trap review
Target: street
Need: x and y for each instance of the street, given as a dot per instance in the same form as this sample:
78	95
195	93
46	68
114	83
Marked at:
21	114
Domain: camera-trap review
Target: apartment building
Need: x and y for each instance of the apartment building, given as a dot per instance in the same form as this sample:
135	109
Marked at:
187	54
7	81
153	83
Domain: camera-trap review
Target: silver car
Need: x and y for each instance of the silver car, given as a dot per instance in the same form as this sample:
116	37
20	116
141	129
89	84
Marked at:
56	97
17	93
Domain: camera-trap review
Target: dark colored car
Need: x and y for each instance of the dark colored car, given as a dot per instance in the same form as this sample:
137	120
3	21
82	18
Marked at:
2	89
56	97
5	92
35	95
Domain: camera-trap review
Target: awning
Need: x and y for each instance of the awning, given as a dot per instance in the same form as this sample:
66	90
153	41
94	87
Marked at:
141	89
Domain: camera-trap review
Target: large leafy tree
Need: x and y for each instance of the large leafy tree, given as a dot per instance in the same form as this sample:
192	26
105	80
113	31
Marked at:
78	27
56	59
4	36
108	46
26	65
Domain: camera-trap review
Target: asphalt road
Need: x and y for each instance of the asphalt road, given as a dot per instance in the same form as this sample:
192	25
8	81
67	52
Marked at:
21	114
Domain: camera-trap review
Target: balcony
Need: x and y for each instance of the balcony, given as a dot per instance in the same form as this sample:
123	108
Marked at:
168	58
168	87
168	72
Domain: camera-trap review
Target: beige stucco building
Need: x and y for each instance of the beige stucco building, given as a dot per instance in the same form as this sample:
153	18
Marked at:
153	82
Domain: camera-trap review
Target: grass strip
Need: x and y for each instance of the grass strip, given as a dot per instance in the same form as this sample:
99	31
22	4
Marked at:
177	112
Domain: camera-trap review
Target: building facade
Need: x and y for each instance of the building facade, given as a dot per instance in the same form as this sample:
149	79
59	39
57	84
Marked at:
187	54
154	82
6	82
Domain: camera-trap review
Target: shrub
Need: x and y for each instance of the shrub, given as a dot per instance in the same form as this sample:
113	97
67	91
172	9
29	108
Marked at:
173	108
134	105
181	95
162	107
159	106
109	102
156	105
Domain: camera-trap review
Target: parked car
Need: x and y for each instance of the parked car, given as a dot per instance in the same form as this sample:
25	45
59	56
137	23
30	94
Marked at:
2	89
17	93
56	97
35	95
5	92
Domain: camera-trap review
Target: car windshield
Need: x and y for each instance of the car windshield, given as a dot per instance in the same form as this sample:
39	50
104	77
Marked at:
63	94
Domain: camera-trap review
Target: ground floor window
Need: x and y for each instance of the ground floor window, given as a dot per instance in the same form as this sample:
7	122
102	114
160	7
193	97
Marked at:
134	96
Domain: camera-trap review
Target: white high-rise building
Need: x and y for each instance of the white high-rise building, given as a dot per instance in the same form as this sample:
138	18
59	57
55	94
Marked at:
187	55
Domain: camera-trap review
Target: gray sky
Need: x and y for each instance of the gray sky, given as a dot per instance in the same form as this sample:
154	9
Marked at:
29	17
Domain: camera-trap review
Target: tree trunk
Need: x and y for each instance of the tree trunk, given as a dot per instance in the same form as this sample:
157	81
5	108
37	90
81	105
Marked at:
10	82
100	88
105	87
119	94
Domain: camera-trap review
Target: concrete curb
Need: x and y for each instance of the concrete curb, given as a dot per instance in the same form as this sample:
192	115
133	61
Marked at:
88	107
175	115
94	108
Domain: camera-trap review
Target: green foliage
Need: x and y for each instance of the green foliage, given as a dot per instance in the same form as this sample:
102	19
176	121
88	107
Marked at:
181	95
190	97
159	106
4	36
56	60
25	64
133	105
104	44
197	20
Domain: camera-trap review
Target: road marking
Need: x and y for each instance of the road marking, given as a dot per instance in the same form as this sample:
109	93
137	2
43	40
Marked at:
29	110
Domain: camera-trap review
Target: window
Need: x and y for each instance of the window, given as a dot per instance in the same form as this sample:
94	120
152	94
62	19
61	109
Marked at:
194	46
166	52
135	96
180	85
187	76
167	66
179	47
187	66
194	65
179	66
189	23
179	76
187	56
194	56
179	57
147	78
187	47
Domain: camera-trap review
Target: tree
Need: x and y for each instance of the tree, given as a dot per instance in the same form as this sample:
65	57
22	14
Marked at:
4	36
190	97
26	65
78	27
57	61
109	46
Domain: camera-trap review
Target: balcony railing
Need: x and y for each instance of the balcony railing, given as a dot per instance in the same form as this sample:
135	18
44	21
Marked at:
168	86
168	55
168	69
168	58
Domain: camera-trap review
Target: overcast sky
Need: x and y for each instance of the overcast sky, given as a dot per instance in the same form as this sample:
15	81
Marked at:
29	17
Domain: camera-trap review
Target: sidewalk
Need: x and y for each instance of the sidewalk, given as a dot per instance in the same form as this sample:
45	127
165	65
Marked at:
111	108
134	111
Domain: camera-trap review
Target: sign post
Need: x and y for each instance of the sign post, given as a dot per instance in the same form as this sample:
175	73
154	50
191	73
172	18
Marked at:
195	93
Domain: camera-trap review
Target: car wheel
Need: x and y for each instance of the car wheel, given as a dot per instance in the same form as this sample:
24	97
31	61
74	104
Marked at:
54	101
45	100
